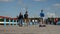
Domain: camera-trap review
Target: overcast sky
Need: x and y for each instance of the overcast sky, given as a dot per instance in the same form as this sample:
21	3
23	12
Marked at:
12	8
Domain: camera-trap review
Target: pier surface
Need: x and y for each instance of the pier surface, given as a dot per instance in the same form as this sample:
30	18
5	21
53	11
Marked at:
33	29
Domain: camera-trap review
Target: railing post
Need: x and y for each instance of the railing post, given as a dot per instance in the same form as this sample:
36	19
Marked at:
13	22
4	22
16	23
9	21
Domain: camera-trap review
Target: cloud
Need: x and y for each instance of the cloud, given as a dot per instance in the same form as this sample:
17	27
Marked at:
54	8
39	0
57	5
5	0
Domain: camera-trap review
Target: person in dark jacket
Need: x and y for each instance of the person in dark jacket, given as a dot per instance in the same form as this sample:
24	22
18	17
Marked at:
20	19
26	17
50	20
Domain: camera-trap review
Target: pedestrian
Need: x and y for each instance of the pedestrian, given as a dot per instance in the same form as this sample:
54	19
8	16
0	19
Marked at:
50	20
26	18
55	21
20	19
42	19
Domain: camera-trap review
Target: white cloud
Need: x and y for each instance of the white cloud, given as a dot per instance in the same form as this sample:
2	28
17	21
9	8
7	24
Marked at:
53	9
58	5
5	0
39	0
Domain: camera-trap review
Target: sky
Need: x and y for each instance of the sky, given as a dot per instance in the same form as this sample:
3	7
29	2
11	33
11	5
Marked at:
12	8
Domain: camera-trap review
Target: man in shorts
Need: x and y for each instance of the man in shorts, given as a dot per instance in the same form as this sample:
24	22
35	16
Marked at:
42	24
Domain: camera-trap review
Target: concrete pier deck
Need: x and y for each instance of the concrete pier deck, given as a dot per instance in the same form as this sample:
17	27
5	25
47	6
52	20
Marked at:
33	29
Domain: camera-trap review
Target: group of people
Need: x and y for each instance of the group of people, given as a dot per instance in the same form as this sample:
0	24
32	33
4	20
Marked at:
23	18
54	21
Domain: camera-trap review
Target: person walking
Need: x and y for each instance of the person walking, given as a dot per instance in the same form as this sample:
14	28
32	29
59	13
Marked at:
42	19
26	18
20	19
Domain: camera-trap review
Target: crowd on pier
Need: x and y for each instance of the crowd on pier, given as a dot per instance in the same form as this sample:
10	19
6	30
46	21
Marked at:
24	18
